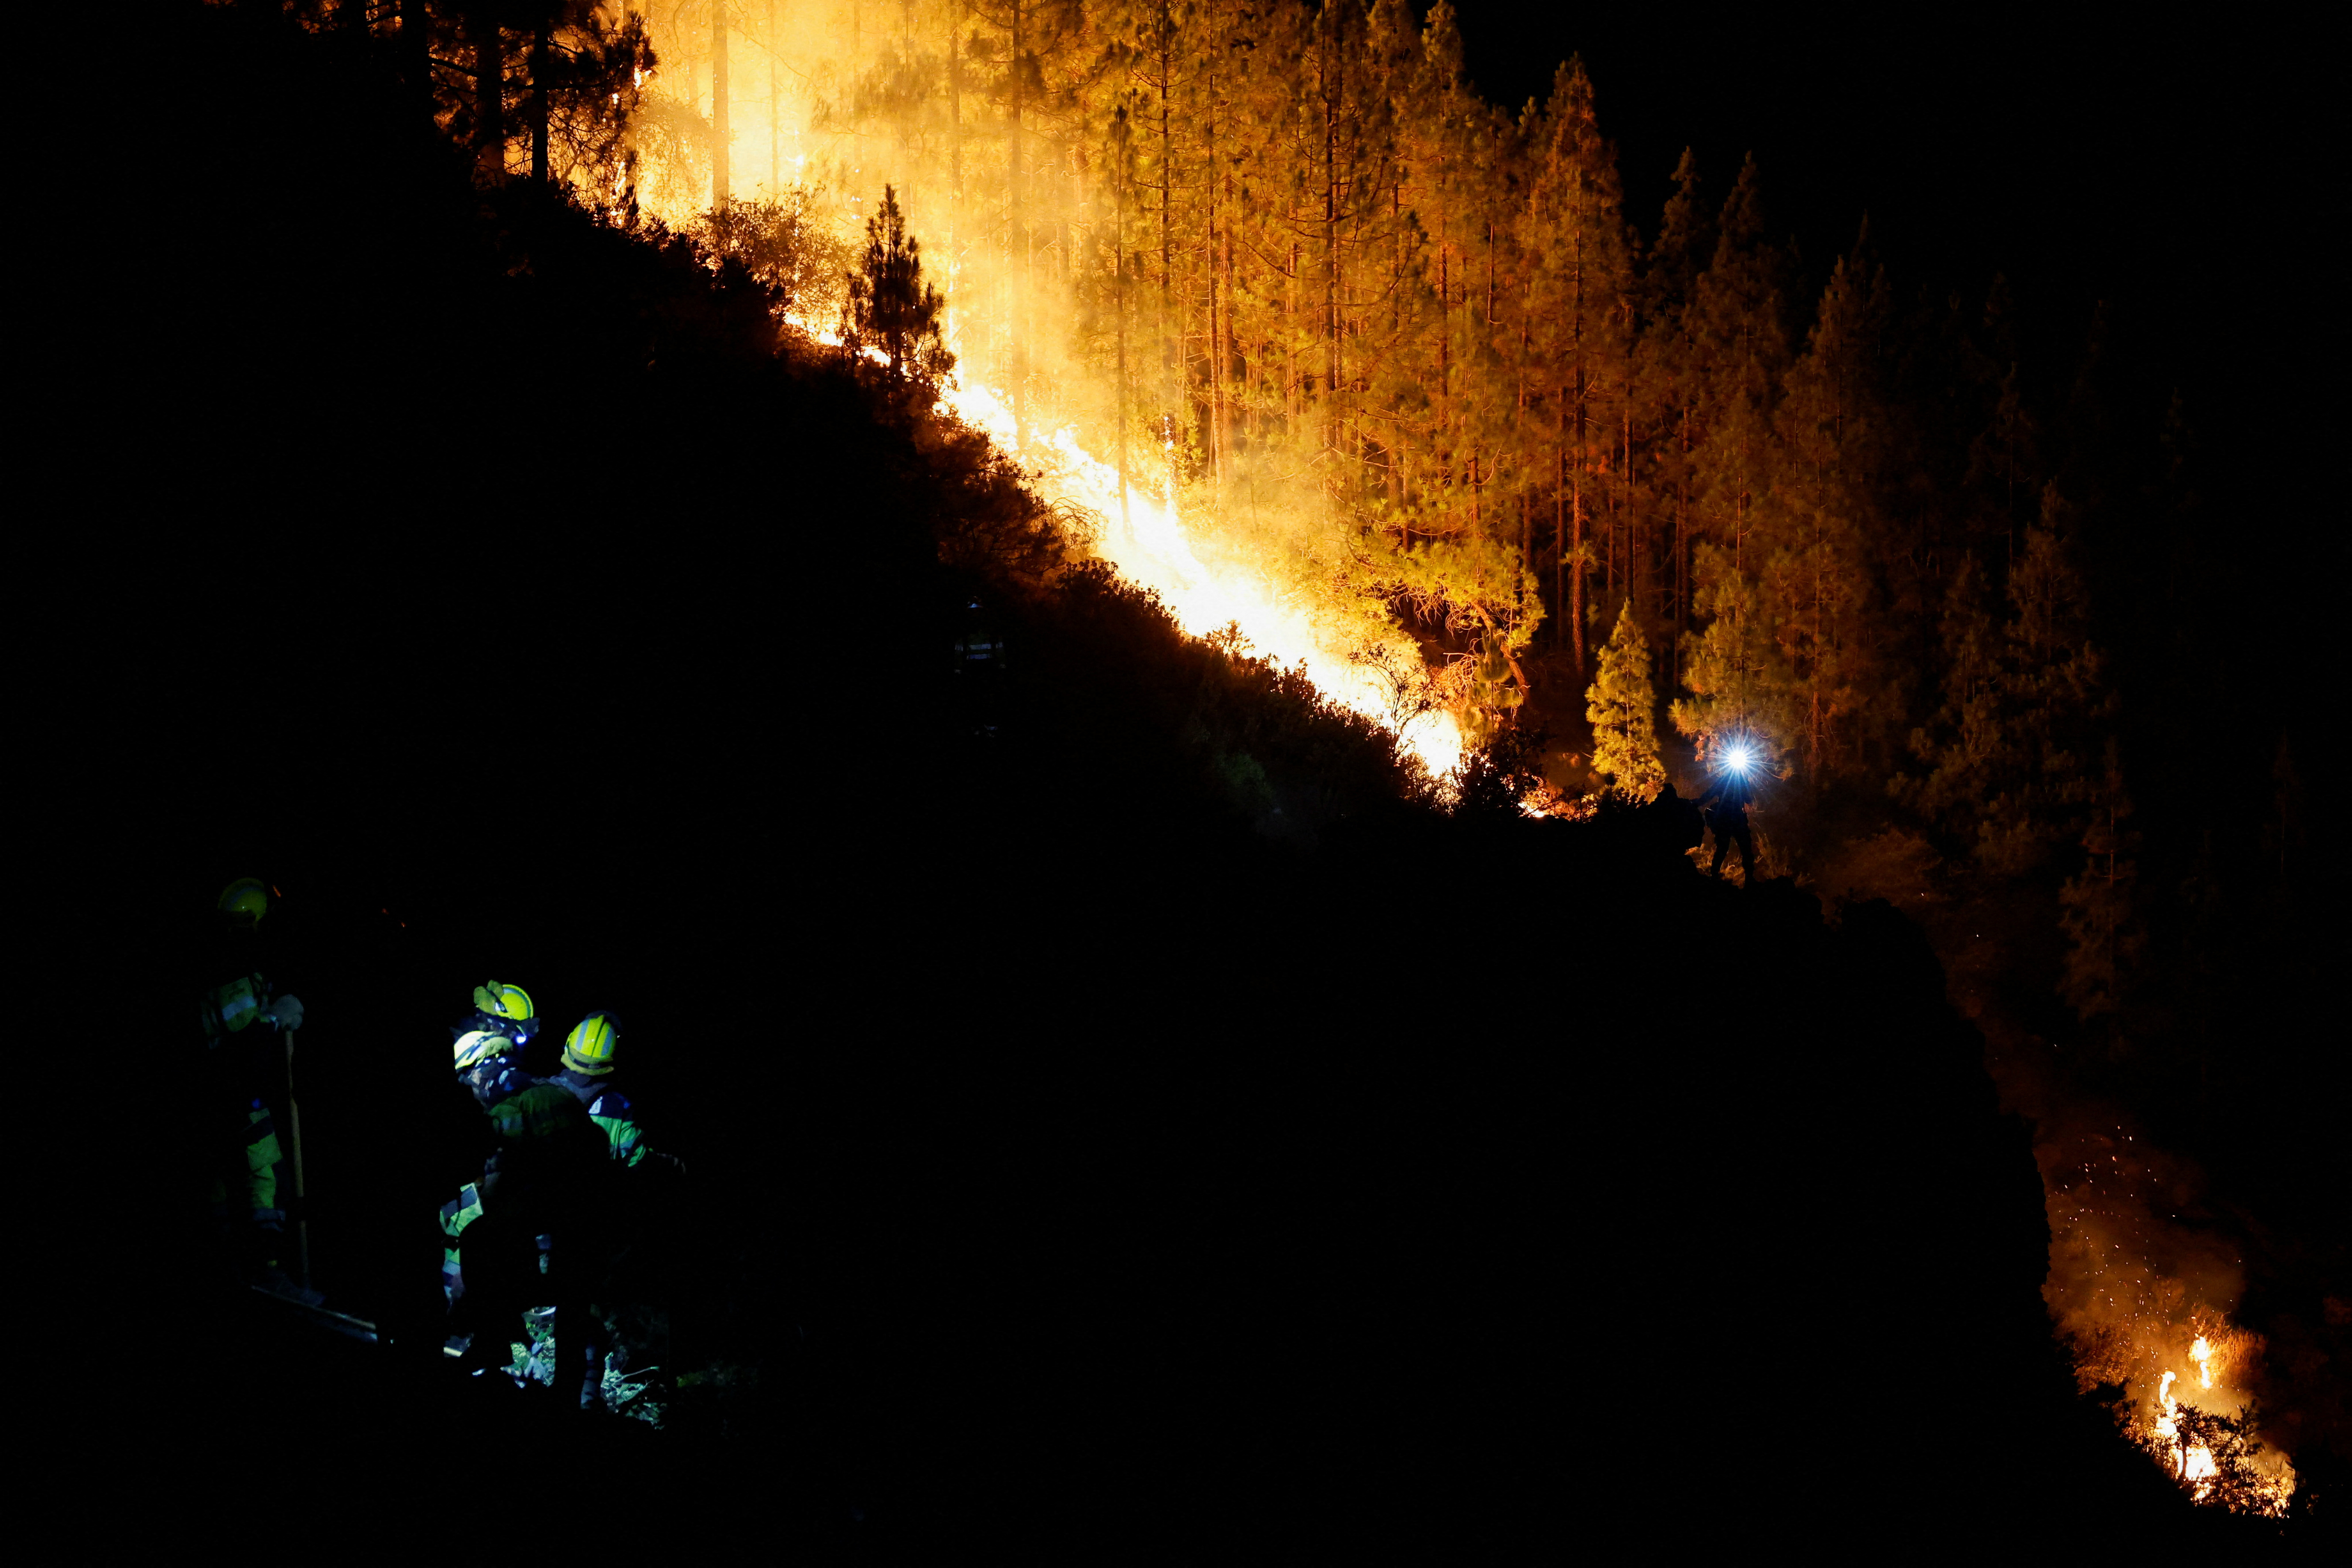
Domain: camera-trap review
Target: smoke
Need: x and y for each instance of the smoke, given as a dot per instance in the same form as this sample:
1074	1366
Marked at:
1072	354
2142	1284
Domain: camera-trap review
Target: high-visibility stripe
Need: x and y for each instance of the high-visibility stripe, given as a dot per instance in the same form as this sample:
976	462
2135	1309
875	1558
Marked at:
461	1211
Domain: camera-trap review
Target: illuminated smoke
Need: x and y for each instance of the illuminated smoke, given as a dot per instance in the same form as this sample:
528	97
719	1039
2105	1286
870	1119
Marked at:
2143	1297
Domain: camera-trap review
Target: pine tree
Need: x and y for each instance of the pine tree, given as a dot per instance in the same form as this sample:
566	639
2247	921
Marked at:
1965	745
1738	342
1822	509
1584	280
1669	389
1493	693
1621	705
891	307
2103	940
1738	680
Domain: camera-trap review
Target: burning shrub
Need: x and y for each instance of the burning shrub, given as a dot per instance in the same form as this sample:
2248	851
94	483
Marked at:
782	246
2212	1456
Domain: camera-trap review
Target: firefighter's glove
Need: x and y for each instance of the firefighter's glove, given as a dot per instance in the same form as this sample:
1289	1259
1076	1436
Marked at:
288	1012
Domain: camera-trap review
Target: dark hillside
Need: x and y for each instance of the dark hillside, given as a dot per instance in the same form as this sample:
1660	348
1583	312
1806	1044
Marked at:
1122	1121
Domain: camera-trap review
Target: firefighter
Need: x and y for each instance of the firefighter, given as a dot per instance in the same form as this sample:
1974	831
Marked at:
505	1013
590	1055
978	664
241	1018
541	1179
1725	803
506	1010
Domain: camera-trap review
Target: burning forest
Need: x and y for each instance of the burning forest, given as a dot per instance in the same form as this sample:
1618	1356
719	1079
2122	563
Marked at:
1240	514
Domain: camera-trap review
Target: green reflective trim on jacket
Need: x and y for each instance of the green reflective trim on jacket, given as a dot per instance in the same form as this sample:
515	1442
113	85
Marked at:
261	1157
227	1009
625	1137
461	1211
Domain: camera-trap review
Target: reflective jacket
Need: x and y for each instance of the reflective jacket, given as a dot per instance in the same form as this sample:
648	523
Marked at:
550	1157
617	1115
234	1007
614	1112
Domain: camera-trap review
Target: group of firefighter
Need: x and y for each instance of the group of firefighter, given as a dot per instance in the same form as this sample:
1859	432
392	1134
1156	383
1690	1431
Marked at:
546	1223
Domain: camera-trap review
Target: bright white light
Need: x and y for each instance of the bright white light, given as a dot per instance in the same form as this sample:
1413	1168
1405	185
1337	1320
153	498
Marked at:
1736	759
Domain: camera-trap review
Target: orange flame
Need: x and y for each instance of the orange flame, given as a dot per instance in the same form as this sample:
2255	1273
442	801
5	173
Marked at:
1153	550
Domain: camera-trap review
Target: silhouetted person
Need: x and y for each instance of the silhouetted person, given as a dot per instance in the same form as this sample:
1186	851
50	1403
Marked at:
537	1190
1725	803
243	1021
1676	823
505	1011
608	1229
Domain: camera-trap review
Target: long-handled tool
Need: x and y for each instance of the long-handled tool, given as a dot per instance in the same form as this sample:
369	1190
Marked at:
294	1135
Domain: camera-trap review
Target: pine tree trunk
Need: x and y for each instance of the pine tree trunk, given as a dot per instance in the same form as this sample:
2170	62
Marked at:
1016	227
1119	295
490	99
1682	553
1576	580
1217	370
1527	534
1167	241
539	41
955	151
1225	413
1330	261
1560	516
416	48
719	134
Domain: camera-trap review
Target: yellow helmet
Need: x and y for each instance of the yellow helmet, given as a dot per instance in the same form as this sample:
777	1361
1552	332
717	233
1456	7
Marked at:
247	899
510	1004
476	1047
591	1044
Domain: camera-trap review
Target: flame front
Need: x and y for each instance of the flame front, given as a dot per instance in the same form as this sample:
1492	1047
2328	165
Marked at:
2249	1477
2192	1464
1152	550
